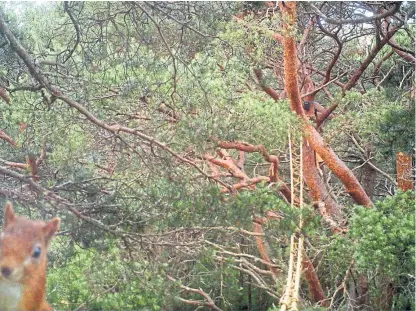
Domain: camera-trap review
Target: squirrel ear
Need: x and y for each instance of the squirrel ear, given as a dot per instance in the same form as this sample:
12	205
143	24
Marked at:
9	216
50	228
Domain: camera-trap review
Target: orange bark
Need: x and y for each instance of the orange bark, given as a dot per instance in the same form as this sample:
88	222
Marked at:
229	165
7	138
290	58
247	183
316	186
292	90
313	137
314	285
235	168
16	164
262	246
337	166
31	164
274	160
405	179
270	91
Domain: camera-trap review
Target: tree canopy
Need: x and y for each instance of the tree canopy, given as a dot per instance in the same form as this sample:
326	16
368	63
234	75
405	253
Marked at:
214	155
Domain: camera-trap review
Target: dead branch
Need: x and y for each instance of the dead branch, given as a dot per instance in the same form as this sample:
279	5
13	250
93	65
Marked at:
333	225
58	201
373	53
242	146
391	179
252	257
337	53
316	90
208	302
390	12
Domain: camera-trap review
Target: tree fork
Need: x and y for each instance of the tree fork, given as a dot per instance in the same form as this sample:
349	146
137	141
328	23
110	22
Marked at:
313	137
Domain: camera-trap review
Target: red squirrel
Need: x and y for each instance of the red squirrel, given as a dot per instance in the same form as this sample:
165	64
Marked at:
23	261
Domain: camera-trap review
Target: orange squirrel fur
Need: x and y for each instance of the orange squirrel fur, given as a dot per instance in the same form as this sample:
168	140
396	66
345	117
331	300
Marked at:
23	261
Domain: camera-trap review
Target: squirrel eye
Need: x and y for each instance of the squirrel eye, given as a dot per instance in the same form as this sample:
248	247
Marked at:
36	252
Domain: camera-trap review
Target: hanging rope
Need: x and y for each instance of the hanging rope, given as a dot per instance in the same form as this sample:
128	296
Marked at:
290	297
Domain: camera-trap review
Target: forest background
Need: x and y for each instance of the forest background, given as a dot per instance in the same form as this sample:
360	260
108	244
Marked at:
191	147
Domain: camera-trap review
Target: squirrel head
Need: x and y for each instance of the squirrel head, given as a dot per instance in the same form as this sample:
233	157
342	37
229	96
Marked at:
23	246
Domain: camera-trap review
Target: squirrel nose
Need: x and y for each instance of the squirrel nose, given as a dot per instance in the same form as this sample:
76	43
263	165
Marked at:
6	272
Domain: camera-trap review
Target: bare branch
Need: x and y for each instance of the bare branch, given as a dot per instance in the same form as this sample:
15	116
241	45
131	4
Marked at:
115	129
267	89
390	12
7	138
208	300
77	31
58	201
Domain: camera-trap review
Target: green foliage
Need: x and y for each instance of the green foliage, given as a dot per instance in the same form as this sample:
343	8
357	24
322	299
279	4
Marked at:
385	236
104	281
379	121
254	36
227	115
182	73
381	242
395	129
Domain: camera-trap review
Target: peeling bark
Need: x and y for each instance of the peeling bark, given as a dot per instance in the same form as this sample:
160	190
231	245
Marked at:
337	166
235	168
350	182
274	160
292	90
405	180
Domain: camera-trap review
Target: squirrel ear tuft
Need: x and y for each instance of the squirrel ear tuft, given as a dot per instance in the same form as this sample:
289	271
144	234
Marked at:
9	215
50	228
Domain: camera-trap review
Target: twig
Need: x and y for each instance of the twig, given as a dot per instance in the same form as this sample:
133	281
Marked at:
393	181
59	200
324	85
208	300
394	9
343	284
115	129
77	31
